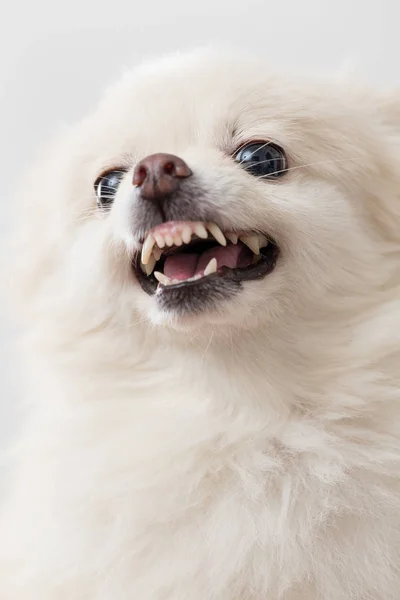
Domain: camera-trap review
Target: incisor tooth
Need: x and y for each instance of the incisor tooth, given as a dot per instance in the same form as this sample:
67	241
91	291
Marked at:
195	277
217	233
147	249
201	231
232	237
160	241
211	267
252	242
163	279
169	240
178	240
186	234
150	265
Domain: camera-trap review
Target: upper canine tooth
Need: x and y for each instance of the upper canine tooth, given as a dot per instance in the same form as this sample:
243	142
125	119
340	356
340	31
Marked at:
201	231
147	249
211	267
186	234
263	241
232	237
252	242
163	279
217	233
150	265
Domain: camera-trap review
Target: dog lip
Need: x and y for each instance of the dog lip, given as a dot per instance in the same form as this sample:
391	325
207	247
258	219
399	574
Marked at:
205	287
254	272
173	227
180	233
214	285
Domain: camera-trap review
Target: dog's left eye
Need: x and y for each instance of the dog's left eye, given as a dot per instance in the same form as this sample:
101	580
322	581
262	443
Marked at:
106	187
262	159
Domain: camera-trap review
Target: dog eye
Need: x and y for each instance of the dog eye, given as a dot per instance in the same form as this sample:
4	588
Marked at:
106	187
262	159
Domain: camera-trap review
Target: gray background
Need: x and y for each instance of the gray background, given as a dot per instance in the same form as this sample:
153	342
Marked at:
56	57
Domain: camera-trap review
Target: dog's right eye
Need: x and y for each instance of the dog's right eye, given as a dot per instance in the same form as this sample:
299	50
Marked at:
106	187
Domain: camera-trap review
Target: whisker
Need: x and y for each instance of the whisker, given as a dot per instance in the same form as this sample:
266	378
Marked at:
143	319
321	162
252	154
85	216
209	344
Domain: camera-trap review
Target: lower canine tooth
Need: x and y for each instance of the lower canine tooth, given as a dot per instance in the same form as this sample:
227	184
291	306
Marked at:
217	233
252	242
211	267
163	279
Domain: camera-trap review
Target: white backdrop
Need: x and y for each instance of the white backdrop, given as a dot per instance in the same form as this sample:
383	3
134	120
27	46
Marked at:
55	58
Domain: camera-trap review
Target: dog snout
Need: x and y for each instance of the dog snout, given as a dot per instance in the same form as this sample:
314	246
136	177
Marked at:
159	175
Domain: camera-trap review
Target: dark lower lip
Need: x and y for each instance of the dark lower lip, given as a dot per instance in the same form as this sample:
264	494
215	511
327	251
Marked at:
204	293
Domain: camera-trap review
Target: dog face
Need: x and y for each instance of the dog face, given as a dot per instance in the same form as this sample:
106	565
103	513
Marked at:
207	189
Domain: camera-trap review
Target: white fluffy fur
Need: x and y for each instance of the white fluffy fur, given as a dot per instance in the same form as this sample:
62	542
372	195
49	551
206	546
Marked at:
251	453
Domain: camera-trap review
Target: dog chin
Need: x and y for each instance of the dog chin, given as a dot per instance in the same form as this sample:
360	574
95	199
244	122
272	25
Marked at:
247	309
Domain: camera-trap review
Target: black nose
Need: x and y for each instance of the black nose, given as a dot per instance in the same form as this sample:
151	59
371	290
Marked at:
159	175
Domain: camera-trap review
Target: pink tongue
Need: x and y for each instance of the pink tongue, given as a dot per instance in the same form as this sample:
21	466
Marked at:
180	266
184	266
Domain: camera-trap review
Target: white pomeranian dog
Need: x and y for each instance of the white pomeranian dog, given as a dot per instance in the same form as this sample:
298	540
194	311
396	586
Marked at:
208	272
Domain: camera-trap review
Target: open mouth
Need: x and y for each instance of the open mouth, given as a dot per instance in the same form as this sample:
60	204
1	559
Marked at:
183	255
